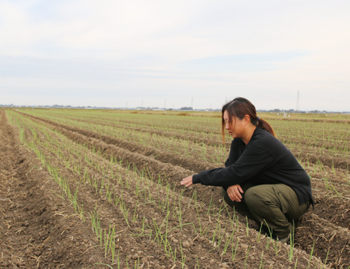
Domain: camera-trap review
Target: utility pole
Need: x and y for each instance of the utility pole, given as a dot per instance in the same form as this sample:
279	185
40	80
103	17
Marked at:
192	103
298	106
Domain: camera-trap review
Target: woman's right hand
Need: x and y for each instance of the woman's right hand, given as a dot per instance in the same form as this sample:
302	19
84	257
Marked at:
187	181
234	192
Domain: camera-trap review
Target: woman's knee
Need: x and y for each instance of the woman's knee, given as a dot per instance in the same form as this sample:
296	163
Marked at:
254	198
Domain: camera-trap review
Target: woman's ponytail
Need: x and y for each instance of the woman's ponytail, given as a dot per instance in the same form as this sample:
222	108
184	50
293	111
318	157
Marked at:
265	125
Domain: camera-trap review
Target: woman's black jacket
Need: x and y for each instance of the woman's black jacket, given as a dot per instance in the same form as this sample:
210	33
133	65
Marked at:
264	160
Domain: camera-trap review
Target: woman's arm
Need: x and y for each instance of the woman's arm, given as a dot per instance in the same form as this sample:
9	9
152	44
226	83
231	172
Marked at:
234	192
253	161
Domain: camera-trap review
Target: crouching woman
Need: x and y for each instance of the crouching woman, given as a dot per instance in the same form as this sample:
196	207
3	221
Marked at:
261	179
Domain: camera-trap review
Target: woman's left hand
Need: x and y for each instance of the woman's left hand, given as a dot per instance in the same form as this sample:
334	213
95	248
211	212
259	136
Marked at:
234	192
187	181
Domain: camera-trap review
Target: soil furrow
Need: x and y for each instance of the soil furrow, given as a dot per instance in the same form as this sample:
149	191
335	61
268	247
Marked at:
201	243
336	184
38	228
304	155
335	210
133	158
327	240
174	159
154	168
196	136
130	248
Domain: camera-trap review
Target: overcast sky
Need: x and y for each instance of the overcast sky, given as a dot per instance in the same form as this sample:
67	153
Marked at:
151	53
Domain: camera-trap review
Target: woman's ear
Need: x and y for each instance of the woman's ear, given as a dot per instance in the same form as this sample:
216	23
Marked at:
246	119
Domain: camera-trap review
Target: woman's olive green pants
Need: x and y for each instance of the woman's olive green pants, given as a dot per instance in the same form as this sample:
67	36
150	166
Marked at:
275	206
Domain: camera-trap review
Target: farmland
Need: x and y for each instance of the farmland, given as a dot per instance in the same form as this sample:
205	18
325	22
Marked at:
101	189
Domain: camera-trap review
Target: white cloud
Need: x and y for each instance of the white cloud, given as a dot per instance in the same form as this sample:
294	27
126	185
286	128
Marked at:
148	45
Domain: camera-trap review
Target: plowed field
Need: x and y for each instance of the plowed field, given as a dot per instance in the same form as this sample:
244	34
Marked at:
90	189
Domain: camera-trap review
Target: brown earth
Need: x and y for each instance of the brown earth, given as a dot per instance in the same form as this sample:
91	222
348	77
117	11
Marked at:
312	120
328	241
38	229
161	159
336	210
165	157
217	115
326	178
209	130
71	159
305	154
308	230
197	137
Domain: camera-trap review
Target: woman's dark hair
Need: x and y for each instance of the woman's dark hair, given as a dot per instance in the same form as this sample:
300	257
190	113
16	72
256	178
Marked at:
239	107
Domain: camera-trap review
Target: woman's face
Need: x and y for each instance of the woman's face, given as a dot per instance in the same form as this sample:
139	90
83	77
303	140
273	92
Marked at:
235	128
